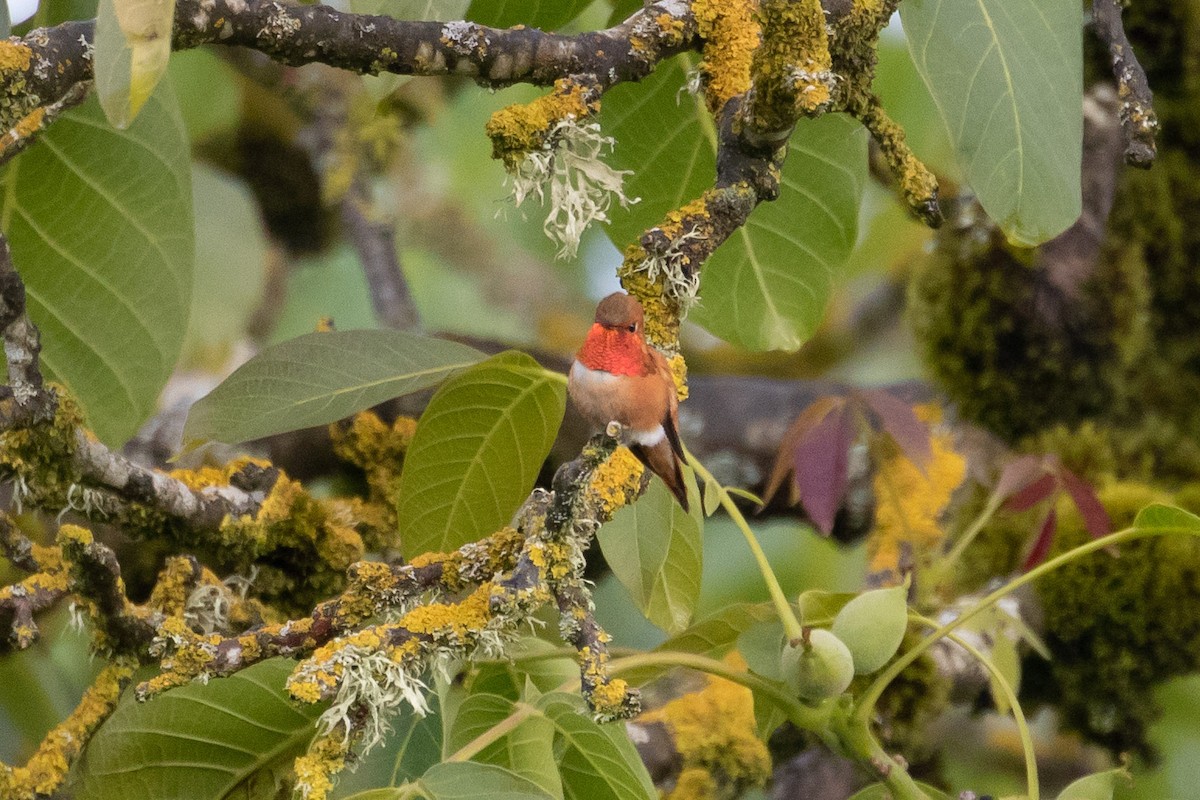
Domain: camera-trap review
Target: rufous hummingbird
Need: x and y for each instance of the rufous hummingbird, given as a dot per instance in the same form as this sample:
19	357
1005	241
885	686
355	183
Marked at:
618	377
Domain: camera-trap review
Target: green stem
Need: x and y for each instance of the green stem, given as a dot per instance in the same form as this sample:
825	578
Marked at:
1031	774
520	713
810	718
995	500
791	626
870	697
856	739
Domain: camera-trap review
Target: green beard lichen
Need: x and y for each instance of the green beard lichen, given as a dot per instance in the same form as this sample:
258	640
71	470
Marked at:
1116	626
1013	353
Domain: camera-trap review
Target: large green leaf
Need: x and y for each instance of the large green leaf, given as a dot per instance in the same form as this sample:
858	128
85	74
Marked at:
463	780
597	762
320	378
1007	77
654	549
766	287
100	223
477	452
199	742
527	749
132	46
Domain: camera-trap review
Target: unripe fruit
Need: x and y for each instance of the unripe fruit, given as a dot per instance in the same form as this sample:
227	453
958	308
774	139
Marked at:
872	626
817	669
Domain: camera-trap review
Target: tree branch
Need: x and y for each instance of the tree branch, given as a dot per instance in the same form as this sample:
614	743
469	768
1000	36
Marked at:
1138	119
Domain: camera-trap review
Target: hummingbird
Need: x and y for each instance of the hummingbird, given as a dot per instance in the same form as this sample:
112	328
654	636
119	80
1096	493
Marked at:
618	377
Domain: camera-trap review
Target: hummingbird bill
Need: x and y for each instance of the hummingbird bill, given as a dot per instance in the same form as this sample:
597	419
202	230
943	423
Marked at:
618	377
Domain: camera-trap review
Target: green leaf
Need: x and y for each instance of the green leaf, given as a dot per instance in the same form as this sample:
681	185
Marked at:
761	646
413	746
466	780
511	678
198	742
872	626
1159	515
527	749
1007	79
817	607
545	14
766	287
654	549
320	378
100	223
477	452
880	791
597	762
132	47
231	256
717	634
1100	786
462	780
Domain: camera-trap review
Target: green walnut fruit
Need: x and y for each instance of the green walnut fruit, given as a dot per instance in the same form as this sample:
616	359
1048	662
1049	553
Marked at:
872	626
817	669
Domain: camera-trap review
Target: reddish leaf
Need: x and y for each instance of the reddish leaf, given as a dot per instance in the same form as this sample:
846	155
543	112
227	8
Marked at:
809	418
821	467
1033	493
1041	545
1018	473
901	422
1095	518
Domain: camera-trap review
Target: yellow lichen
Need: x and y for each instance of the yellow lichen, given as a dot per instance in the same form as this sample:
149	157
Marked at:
41	455
909	502
519	129
731	34
679	375
456	619
615	482
715	735
662	310
325	758
14	56
174	583
210	477
43	774
609	697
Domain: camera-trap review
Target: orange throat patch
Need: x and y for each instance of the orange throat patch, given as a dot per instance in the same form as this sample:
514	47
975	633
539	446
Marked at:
616	351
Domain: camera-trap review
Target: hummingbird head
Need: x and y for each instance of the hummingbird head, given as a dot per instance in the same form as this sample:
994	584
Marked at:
616	342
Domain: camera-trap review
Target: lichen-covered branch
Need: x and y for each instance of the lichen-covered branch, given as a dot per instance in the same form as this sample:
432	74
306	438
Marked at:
20	602
43	66
1136	111
25	399
44	772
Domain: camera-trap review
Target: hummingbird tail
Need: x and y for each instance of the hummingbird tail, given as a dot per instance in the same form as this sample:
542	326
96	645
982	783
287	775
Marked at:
662	461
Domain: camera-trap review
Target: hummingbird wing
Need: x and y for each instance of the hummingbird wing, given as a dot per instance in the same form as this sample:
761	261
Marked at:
664	458
661	460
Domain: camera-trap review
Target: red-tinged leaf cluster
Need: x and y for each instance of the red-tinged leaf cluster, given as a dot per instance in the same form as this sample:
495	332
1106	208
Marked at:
815	451
1027	481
